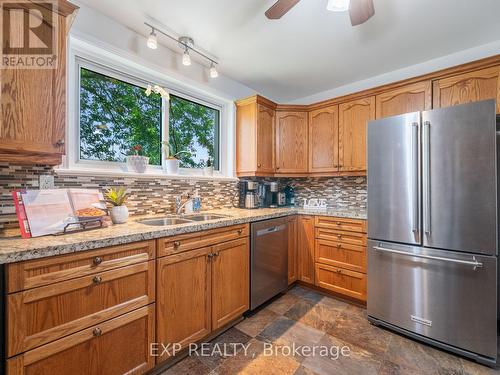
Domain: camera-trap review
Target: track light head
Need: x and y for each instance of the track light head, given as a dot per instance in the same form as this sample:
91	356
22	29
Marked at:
152	40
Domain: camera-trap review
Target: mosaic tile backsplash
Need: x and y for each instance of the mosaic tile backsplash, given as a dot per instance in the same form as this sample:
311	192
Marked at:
155	196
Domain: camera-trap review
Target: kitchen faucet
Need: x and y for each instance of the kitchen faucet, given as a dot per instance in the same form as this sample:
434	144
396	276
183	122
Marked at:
179	206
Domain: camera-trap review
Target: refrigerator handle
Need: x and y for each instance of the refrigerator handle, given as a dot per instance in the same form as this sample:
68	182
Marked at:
427	178
414	145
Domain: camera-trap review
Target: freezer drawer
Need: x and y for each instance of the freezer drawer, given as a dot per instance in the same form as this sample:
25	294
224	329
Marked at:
446	296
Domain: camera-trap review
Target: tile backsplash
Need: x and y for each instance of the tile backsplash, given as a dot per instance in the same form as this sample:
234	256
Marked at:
149	195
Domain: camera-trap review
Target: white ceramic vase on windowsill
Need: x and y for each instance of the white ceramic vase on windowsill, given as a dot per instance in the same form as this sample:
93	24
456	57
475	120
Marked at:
171	166
137	163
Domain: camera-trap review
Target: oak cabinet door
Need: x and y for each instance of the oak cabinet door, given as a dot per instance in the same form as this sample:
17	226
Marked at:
468	87
291	142
324	140
410	98
305	249
183	297
230	281
265	139
292	249
342	281
353	121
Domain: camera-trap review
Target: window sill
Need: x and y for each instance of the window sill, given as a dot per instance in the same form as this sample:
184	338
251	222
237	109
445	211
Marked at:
147	174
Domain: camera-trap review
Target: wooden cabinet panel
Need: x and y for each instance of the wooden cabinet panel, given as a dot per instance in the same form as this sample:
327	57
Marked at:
38	316
40	272
353	120
115	347
340	223
468	87
246	136
190	241
230	281
292	248
184	298
305	250
342	255
324	140
352	238
409	98
265	139
342	281
291	142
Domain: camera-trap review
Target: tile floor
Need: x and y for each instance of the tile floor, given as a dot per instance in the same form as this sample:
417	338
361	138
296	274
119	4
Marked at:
307	318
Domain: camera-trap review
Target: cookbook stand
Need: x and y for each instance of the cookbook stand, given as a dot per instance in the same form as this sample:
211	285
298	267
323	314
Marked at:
82	225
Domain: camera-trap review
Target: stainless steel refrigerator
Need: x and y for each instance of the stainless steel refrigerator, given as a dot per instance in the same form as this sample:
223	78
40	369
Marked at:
432	227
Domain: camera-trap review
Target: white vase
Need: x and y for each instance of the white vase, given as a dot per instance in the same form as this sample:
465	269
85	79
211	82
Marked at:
171	166
208	171
119	214
137	163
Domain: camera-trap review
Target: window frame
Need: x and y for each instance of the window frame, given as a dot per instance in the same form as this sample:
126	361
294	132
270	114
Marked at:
123	70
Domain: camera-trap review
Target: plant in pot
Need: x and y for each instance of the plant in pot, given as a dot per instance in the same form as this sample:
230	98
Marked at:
137	162
171	164
208	170
117	197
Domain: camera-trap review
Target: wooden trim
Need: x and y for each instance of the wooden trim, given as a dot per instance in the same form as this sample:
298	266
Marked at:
29	158
256	99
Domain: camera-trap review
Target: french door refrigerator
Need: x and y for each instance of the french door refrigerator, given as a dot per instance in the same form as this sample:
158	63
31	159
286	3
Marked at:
432	227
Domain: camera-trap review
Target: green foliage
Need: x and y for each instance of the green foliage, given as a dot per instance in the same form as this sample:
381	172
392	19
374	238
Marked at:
116	196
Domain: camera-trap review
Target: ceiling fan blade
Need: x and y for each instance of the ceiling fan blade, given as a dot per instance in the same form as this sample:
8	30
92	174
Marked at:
280	8
361	11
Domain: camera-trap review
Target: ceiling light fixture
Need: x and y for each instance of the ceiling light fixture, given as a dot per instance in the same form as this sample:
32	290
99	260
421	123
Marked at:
213	71
338	5
186	59
152	40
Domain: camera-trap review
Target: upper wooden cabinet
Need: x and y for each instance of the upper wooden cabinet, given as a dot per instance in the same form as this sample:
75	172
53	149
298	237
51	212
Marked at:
324	140
353	120
255	121
409	98
33	103
468	87
291	142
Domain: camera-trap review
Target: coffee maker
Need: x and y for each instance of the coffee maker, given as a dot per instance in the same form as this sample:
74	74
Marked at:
272	194
249	197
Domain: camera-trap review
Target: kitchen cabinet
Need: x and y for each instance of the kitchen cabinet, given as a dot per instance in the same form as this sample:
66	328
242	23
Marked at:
467	87
291	142
324	140
255	129
341	281
305	249
292	249
33	104
409	98
353	121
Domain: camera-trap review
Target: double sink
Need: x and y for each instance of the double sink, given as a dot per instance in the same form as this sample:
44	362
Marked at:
181	219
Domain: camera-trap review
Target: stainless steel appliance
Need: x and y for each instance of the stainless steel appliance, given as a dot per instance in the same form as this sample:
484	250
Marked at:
272	191
248	194
432	227
281	199
268	259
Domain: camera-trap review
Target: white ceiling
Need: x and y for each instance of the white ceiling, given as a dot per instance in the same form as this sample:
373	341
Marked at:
311	49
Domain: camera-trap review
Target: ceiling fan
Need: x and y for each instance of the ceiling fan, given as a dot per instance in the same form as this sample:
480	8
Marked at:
360	11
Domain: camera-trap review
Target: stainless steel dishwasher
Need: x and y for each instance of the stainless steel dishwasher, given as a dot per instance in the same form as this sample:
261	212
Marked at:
268	259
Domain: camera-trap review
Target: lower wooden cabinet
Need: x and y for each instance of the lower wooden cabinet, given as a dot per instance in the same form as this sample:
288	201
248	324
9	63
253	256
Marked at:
115	347
305	249
342	281
292	249
339	254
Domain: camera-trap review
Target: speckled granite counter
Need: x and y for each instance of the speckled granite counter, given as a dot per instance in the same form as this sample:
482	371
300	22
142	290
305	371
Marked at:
15	249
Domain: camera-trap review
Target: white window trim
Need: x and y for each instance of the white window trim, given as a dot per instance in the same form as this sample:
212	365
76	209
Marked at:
81	53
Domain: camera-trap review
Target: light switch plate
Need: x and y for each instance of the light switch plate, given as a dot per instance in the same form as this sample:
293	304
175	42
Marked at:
46	181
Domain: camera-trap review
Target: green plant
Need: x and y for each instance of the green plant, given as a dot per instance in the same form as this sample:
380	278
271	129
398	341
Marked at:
170	151
116	196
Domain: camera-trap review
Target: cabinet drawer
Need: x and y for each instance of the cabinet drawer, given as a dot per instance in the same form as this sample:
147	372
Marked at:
352	238
35	273
38	316
342	255
350	225
115	347
178	244
342	281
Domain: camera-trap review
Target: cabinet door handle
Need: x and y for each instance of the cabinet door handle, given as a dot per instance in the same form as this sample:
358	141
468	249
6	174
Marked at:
240	231
277	167
216	254
177	244
60	143
97	260
339	236
210	256
97	332
339	246
259	165
97	280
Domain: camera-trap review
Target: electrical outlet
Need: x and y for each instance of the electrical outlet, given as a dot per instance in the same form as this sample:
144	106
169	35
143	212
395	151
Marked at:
46	181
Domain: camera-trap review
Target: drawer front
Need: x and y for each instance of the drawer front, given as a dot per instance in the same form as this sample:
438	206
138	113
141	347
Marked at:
342	255
342	281
343	237
40	272
115	347
38	316
179	244
350	225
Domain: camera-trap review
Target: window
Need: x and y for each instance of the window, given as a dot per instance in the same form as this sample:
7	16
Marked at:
115	115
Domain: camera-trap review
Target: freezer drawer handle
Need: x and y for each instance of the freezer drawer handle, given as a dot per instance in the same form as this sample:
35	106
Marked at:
473	263
277	228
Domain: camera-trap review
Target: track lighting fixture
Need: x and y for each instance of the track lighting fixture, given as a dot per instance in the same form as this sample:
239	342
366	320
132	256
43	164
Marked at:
186	59
213	71
152	40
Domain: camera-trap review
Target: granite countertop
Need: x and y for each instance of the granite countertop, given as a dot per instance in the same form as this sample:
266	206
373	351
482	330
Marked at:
15	249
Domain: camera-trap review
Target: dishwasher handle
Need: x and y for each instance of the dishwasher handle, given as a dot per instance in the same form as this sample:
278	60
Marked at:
277	228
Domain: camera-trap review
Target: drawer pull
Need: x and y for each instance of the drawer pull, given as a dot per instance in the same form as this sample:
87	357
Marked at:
339	271
97	280
210	256
240	231
339	236
339	245
216	254
97	332
177	244
97	260
339	223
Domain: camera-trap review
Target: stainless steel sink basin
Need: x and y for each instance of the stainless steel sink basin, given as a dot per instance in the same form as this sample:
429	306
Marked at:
205	217
164	221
